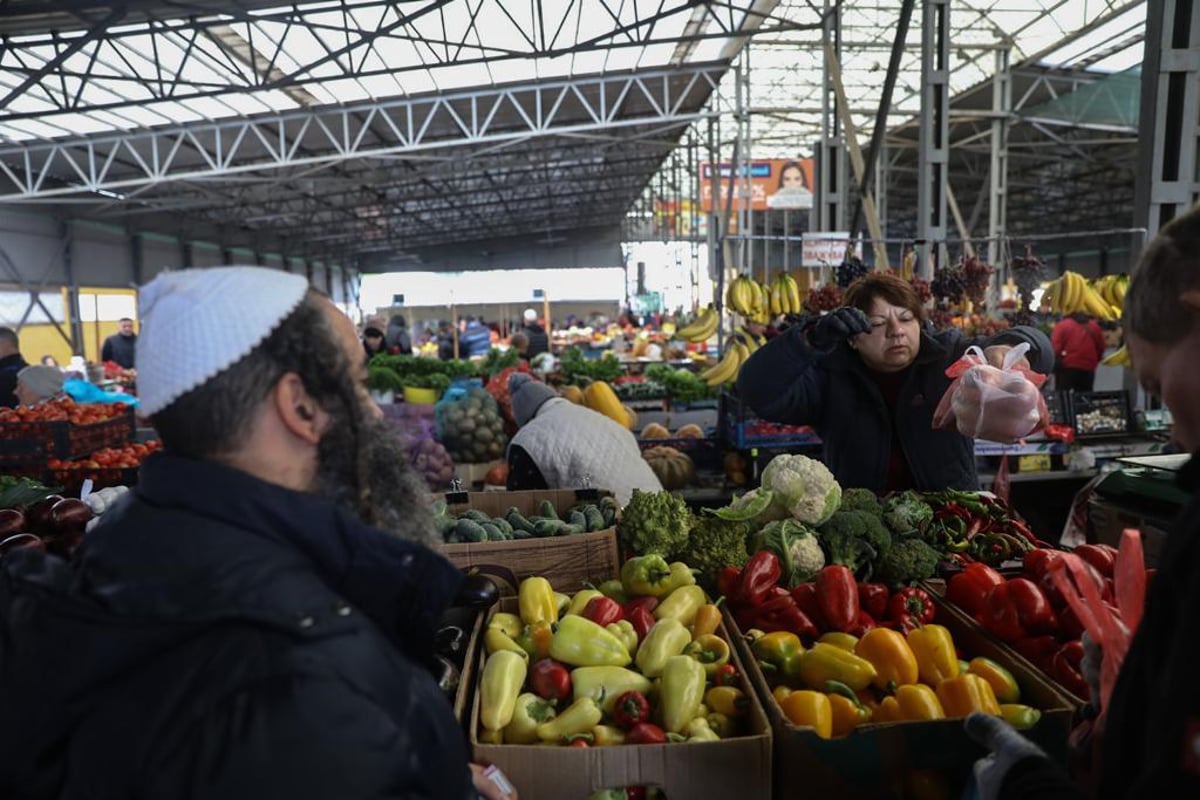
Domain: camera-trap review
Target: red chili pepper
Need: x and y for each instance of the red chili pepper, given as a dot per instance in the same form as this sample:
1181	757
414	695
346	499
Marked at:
642	621
758	576
914	602
726	675
1038	649
864	623
805	595
1067	669
729	581
837	595
1100	556
969	589
645	733
873	598
603	611
631	708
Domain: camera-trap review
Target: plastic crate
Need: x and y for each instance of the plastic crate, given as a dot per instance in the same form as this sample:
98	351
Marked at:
33	443
102	477
744	431
1097	415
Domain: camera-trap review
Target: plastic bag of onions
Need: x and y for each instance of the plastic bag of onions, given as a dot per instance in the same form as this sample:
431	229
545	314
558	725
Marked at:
999	404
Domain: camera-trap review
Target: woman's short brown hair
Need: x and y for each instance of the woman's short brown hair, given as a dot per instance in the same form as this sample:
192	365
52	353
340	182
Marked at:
892	288
1169	266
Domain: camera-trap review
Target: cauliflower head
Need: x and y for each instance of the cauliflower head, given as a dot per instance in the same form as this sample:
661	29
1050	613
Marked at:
799	551
804	486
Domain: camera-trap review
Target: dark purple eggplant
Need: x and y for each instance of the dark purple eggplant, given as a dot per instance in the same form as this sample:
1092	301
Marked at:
37	515
12	522
477	591
21	540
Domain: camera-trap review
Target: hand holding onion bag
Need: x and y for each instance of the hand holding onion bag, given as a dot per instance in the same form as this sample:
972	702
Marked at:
1000	404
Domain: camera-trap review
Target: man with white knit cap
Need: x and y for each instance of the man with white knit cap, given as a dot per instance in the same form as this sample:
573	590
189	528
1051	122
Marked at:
539	342
256	619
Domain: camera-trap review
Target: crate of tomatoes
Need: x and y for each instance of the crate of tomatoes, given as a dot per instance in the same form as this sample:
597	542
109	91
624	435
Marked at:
62	429
109	466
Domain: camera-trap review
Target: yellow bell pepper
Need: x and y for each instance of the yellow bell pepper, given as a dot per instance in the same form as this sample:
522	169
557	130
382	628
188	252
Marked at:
780	692
491	737
727	700
809	709
1001	680
625	633
838	639
606	684
581	599
529	712
1020	717
914	702
698	730
607	736
707	620
499	686
509	624
779	652
582	643
846	711
710	650
536	601
682	604
580	717
681	692
824	662
966	693
934	649
889	653
667	638
723	725
495	639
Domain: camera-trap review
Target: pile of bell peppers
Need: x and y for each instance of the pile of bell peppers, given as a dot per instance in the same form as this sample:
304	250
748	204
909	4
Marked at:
844	681
638	662
1030	613
834	602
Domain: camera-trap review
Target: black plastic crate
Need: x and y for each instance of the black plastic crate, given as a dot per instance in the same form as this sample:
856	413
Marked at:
1097	415
33	443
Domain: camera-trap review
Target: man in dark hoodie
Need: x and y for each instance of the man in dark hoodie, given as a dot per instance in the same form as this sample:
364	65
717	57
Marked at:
256	619
539	342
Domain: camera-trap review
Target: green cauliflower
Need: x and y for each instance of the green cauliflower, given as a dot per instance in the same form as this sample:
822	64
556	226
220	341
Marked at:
654	522
906	561
861	500
906	513
799	552
714	544
804	486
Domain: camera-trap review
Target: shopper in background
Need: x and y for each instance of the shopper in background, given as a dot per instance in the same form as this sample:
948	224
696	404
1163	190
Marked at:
868	376
398	340
120	348
10	364
1078	345
445	341
37	384
257	618
373	341
1150	742
561	445
475	339
539	342
520	343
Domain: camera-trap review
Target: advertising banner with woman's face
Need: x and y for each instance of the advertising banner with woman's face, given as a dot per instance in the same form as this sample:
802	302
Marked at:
773	183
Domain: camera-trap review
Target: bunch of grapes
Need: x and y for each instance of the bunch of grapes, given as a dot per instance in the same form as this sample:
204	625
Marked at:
976	277
851	269
1027	274
948	286
941	319
921	287
823	298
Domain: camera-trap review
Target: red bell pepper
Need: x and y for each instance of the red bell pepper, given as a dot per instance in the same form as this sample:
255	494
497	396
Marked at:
805	595
603	611
761	572
1038	649
1067	669
1100	556
969	588
837	595
649	603
641	620
646	733
914	602
726	675
873	598
1037	562
1033	609
550	680
782	614
631	708
729	582
863	624
904	624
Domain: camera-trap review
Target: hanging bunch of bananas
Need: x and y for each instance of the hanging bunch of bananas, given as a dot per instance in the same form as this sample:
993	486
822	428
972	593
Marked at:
749	298
785	295
726	370
702	328
1111	289
1071	294
751	340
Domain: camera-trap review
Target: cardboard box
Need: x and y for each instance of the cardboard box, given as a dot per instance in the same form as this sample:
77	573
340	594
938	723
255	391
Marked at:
568	562
873	760
467	677
738	767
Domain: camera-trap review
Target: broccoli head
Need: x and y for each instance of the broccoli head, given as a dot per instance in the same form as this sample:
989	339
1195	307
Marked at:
654	522
714	544
860	525
861	500
906	513
906	561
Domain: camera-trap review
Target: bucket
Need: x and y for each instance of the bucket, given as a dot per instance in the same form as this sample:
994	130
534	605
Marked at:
413	394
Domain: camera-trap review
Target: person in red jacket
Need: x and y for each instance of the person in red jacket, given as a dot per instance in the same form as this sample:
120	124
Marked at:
1078	347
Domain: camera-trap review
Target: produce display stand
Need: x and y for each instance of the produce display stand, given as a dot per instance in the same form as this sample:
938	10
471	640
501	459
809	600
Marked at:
735	767
31	444
873	759
743	431
568	562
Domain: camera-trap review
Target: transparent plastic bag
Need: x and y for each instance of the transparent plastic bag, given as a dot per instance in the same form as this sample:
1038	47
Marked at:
999	404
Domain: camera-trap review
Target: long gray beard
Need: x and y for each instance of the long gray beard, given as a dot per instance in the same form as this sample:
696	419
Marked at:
397	497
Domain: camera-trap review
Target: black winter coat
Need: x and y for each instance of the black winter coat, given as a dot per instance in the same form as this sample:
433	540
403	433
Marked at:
221	637
539	342
787	381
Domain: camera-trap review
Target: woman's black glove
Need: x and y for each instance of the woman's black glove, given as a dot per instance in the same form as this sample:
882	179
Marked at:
837	326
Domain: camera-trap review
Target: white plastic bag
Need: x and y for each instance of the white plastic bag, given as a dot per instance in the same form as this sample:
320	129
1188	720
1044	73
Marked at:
1000	404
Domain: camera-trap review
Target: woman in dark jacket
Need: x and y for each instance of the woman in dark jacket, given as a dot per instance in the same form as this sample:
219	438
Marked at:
868	377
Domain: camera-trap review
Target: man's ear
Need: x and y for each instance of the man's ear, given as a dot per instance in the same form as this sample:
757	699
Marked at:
297	409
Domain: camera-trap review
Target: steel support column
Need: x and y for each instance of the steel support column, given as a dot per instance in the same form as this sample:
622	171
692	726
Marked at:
998	165
1168	176
137	256
934	150
832	163
77	346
